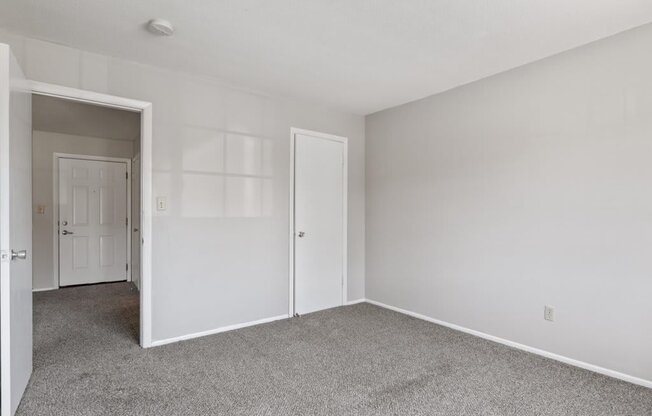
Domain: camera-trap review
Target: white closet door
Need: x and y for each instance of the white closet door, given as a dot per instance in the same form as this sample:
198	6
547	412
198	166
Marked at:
92	221
319	216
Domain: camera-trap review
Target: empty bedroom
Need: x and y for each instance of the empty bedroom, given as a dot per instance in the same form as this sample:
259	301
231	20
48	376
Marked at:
425	207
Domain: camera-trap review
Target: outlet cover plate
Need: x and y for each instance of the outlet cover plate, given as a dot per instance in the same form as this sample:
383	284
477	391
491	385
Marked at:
549	313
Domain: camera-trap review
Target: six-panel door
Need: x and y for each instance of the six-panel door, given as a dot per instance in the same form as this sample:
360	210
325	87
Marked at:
92	221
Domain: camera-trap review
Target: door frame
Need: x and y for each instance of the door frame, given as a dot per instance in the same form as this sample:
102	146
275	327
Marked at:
132	230
345	179
56	278
144	108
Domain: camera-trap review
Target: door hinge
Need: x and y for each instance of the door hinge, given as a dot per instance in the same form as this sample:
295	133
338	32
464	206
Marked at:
5	256
127	175
127	222
127	267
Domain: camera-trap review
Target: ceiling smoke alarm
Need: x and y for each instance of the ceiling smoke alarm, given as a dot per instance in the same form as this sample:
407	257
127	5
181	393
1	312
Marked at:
160	27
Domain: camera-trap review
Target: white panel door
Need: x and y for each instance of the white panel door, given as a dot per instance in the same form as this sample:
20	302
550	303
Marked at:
92	221
15	232
319	217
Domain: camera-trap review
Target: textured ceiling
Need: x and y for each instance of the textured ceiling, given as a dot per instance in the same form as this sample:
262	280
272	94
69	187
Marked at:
356	55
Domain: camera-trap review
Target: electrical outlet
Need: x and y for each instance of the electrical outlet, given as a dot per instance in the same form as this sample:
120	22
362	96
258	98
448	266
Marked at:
549	313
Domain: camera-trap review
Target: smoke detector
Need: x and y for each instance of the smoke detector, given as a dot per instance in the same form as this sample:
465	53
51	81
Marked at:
160	27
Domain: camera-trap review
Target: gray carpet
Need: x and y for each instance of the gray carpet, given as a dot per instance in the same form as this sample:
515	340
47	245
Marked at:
354	360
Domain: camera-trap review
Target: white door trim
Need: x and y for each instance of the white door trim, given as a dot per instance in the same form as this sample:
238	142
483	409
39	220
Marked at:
55	206
345	176
145	110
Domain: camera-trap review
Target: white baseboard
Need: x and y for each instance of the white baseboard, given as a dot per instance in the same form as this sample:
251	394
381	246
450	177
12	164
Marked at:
230	327
543	353
217	330
45	289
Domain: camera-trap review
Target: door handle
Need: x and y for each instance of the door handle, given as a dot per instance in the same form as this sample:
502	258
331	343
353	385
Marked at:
301	234
66	232
20	255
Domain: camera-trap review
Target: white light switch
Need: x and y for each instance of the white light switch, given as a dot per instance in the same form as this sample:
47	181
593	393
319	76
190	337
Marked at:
161	203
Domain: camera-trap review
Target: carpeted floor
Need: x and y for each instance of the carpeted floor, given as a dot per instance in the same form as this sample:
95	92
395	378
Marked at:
353	360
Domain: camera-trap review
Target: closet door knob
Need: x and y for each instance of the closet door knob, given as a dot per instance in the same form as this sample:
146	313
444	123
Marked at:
20	255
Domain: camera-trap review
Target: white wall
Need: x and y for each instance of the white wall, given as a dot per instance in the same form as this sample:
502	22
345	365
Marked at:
221	157
532	187
44	145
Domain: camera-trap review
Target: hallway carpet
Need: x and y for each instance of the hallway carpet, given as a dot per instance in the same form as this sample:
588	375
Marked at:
353	360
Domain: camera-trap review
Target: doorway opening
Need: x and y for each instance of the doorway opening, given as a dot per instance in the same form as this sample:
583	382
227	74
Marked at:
82	221
91	174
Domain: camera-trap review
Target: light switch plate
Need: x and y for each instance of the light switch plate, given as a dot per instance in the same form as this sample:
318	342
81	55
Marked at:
161	203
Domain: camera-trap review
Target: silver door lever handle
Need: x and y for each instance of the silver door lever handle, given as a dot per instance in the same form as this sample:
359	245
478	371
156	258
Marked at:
66	232
20	255
301	234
